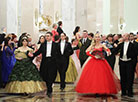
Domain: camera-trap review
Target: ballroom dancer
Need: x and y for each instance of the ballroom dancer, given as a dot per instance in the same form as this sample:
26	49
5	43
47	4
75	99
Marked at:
8	59
74	66
75	57
97	76
37	60
48	67
76	33
59	29
110	44
127	64
24	77
20	39
63	52
54	31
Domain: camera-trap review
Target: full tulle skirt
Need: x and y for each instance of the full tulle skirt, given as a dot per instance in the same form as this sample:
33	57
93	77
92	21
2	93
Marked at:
97	77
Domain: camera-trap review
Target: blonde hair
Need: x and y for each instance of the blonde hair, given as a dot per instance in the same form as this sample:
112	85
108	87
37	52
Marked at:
93	43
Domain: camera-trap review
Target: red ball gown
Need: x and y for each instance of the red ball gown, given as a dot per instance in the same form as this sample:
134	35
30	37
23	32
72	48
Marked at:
97	77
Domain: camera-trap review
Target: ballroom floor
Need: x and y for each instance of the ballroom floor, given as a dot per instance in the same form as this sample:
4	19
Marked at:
67	96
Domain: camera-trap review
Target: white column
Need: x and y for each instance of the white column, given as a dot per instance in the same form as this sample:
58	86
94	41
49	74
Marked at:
29	14
106	16
19	17
8	15
99	15
131	15
68	17
12	23
114	16
3	13
91	15
81	14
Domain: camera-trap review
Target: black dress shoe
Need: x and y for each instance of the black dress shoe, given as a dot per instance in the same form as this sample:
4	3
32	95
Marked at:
122	95
49	95
62	89
130	95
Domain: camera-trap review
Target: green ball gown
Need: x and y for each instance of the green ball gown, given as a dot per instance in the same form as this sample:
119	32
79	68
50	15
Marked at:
25	77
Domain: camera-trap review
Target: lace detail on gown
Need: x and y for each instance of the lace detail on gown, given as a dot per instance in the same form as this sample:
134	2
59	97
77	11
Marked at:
97	53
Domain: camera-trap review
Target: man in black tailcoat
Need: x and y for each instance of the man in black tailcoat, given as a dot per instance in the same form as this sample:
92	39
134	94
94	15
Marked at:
48	68
127	65
64	50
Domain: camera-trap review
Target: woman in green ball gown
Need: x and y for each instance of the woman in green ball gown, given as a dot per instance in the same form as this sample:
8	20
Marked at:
25	77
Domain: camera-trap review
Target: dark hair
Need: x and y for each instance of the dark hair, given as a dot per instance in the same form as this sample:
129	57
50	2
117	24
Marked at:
59	23
49	33
11	45
63	33
109	35
76	30
72	40
28	34
91	34
40	38
13	36
67	38
6	41
24	33
24	39
119	36
56	37
12	33
131	33
113	35
85	31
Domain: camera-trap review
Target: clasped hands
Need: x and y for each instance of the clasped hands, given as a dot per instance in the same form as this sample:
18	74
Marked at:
30	54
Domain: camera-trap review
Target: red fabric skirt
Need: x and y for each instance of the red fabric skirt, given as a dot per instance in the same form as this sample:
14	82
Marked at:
97	77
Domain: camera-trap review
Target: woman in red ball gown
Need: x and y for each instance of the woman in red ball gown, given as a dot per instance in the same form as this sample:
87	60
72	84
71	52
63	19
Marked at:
97	77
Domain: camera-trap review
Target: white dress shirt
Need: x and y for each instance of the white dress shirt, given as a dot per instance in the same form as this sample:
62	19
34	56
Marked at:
125	52
84	40
48	50
62	46
132	41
